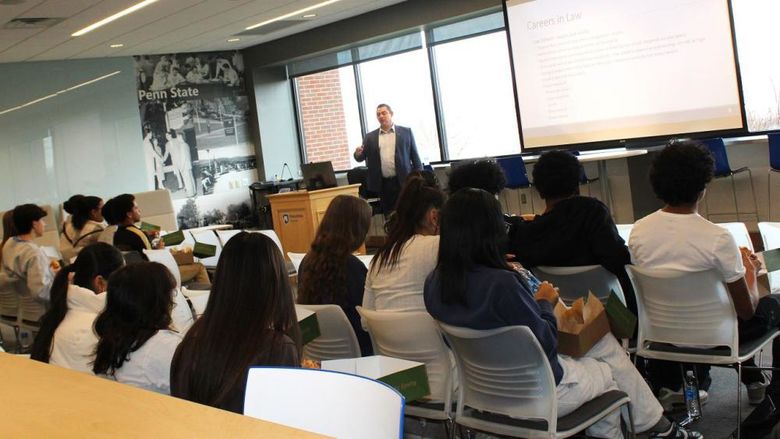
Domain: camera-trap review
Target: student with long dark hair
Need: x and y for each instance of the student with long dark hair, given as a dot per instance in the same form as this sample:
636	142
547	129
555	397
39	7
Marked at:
330	273
78	294
474	287
136	343
398	271
251	302
84	225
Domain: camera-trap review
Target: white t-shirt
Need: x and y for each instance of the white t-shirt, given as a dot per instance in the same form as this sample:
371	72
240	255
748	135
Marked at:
150	366
685	242
73	345
400	288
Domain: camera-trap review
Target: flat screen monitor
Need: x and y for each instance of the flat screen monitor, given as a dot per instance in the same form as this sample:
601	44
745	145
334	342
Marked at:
318	175
601	73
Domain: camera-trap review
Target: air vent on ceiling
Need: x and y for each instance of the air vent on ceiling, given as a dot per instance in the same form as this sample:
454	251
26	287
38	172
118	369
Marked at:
272	27
31	23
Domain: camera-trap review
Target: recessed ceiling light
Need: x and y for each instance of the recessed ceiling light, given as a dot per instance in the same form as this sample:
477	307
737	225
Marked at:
233	40
116	46
116	16
293	14
309	15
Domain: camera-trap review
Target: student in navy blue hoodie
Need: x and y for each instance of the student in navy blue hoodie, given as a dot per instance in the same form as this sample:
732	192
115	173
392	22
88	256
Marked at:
474	287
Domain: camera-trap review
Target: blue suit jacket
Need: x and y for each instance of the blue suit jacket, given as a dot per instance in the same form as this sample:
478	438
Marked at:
406	157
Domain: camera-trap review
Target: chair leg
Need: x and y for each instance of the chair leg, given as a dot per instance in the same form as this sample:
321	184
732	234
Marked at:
734	193
631	427
753	191
18	336
769	194
739	399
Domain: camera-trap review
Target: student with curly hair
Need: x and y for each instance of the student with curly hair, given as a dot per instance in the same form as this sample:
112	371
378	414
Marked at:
330	273
478	174
677	237
136	342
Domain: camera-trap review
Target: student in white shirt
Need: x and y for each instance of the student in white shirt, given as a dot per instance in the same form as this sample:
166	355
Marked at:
78	294
84	225
136	344
397	274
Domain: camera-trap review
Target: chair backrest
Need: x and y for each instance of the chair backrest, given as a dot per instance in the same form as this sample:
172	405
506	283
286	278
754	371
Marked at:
198	298
337	404
366	260
503	371
576	282
9	297
413	336
296	259
740	233
624	230
718	149
337	338
208	237
774	151
157	208
225	235
770	235
683	308
514	169
165	257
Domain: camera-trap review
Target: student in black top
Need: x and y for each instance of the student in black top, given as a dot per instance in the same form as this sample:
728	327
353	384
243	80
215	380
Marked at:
573	230
249	321
330	273
128	237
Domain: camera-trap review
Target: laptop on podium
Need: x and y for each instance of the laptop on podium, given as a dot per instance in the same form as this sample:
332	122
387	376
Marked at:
318	175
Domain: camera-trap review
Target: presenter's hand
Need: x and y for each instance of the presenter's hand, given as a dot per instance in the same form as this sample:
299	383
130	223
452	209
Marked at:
547	292
359	150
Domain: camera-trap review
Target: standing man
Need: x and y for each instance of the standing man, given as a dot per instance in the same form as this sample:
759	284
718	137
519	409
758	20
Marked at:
390	154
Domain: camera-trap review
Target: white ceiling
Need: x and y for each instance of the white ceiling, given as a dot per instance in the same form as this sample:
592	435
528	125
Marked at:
167	26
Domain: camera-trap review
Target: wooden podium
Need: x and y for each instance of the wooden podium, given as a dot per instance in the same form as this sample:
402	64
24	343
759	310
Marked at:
296	215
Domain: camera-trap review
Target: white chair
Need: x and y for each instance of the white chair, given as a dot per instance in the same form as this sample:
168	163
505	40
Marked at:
690	318
508	388
157	208
198	299
296	259
271	234
166	258
207	237
337	338
181	314
576	282
338	404
414	336
366	260
225	235
740	233
770	235
624	230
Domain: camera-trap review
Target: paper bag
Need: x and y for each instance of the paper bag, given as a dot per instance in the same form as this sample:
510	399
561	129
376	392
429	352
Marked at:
581	326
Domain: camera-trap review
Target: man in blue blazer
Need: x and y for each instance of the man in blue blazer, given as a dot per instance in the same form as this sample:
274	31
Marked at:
390	154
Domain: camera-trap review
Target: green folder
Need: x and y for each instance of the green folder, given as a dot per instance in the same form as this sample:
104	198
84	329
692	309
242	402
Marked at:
310	328
202	250
147	227
771	260
621	320
412	383
174	238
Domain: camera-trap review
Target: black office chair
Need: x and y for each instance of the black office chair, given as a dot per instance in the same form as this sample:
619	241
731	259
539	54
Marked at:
359	176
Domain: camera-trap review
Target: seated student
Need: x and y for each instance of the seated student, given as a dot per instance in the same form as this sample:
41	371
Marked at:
573	230
128	237
107	235
330	273
478	174
84	225
474	287
251	303
677	237
135	343
25	267
398	271
78	295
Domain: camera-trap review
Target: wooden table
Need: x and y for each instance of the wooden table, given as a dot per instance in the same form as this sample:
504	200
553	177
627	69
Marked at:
44	401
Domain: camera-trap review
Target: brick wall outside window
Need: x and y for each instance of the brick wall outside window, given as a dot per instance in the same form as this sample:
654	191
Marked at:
322	115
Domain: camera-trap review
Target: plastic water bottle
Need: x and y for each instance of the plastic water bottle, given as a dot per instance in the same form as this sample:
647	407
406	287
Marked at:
691	393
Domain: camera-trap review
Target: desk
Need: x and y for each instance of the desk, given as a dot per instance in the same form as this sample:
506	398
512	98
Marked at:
44	401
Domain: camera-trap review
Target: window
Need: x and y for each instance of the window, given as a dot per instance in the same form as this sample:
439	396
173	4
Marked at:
478	105
403	82
759	66
329	116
